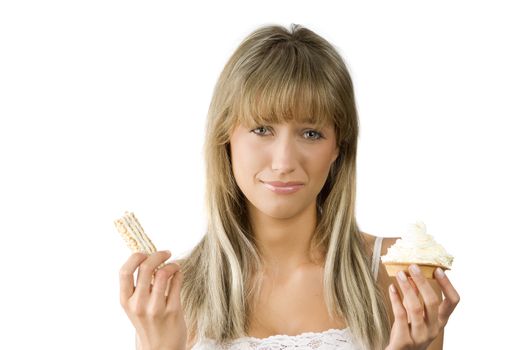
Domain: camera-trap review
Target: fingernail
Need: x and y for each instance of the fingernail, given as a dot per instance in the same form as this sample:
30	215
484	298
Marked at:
440	273
402	276
415	269
392	289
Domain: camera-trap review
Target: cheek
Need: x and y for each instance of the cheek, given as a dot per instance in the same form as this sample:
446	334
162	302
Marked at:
245	160
321	164
321	156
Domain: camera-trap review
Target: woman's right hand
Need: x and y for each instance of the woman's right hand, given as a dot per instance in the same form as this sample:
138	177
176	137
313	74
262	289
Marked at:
155	310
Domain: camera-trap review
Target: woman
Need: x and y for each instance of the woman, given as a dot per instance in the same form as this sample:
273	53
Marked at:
283	264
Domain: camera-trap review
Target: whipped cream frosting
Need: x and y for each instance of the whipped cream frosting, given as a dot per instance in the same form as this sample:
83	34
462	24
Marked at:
416	246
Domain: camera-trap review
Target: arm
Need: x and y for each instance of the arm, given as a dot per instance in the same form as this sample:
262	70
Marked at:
137	346
190	343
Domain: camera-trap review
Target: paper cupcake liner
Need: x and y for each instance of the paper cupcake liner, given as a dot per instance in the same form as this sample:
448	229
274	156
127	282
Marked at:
393	267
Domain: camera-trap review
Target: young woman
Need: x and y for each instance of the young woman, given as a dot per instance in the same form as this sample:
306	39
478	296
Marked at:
283	263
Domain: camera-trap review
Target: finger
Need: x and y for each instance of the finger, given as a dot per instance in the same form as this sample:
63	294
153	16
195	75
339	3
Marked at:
414	286
168	285
146	271
126	276
159	288
451	296
400	329
430	299
416	290
412	304
173	299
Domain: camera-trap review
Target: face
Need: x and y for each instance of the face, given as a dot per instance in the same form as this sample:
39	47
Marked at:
289	152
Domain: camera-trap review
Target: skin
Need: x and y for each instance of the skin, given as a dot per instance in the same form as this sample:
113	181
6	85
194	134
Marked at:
154	309
282	225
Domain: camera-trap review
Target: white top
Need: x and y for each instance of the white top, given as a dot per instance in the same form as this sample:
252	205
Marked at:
329	339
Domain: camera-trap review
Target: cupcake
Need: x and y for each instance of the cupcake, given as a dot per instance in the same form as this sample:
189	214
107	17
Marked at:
416	247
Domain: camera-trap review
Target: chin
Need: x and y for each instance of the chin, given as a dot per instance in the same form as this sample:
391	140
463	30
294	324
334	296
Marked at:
281	211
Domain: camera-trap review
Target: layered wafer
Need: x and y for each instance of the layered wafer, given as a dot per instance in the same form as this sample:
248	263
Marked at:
134	235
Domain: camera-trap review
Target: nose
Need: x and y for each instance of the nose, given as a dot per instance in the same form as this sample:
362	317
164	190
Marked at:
284	154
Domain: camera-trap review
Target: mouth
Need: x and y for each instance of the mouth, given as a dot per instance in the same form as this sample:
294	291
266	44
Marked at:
283	189
283	184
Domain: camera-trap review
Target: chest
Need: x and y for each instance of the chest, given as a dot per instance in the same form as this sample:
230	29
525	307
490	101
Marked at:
291	305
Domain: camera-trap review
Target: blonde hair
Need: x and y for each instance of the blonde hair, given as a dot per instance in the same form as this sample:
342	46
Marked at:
276	76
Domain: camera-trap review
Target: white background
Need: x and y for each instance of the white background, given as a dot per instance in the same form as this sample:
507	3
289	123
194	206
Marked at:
102	110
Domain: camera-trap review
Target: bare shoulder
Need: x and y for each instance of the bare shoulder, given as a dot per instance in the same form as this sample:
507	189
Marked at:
369	240
383	279
387	242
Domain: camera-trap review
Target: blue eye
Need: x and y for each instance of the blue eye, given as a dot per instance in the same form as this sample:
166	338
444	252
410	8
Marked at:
317	134
260	127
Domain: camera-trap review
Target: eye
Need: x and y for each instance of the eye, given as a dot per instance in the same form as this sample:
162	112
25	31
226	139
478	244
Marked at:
315	135
319	135
259	128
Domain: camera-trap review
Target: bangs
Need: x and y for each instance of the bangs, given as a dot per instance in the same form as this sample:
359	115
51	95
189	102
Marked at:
286	87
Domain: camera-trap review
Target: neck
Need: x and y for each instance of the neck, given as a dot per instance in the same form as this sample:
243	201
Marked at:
284	243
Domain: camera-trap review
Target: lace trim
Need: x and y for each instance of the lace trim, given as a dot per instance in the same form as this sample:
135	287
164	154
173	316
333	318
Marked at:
329	339
304	334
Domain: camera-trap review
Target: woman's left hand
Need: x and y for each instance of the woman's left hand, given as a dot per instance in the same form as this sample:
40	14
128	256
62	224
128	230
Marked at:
418	323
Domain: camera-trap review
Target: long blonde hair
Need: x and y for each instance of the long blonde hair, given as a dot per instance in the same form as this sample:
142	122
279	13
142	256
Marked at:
276	76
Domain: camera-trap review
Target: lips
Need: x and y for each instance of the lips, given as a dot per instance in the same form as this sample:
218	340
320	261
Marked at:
283	188
283	184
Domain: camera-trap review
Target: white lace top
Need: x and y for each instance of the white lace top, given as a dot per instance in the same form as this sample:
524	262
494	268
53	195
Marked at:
329	339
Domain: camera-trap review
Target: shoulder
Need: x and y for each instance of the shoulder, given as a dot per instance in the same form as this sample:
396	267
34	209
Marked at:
369	240
383	279
387	242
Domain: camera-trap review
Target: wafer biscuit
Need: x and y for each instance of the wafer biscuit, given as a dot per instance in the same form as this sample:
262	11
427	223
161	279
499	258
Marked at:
134	235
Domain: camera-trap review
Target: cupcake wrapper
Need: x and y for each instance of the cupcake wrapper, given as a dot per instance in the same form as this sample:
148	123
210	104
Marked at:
427	269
